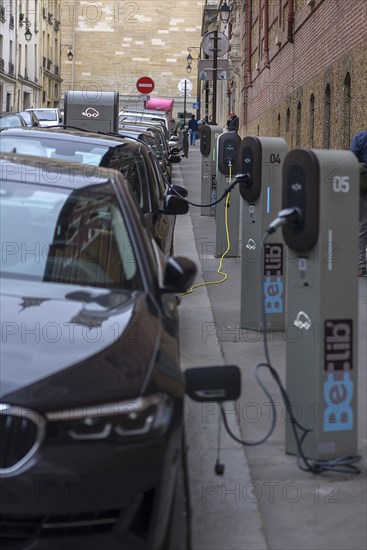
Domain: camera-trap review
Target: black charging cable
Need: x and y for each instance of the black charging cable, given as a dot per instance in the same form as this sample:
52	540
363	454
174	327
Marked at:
344	464
239	178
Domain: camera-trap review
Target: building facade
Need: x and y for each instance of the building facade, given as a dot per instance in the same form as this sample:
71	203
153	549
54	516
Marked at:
302	69
30	48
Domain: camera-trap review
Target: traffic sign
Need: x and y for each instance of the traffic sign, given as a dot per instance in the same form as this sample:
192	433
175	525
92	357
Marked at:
206	71
145	85
185	83
207	44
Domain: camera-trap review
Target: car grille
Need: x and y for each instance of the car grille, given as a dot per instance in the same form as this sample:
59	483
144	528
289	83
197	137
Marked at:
21	433
15	529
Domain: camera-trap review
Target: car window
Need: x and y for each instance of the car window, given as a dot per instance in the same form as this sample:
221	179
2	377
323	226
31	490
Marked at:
52	148
27	116
132	165
160	181
66	236
45	114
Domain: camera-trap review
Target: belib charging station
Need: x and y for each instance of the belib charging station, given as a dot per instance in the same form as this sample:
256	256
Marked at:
262	267
92	110
228	145
322	299
209	135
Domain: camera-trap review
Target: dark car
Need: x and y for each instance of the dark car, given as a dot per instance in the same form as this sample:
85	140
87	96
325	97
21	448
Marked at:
12	120
132	158
165	159
91	389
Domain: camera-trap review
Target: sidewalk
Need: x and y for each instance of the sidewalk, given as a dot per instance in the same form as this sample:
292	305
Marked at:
263	500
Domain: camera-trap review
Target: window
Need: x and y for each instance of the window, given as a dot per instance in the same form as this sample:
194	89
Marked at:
347	111
298	124
288	121
327	117
311	129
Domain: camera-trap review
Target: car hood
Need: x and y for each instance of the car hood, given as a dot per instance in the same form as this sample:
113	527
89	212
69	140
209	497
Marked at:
65	345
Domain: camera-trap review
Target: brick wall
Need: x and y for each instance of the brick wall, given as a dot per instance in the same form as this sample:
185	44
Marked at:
330	43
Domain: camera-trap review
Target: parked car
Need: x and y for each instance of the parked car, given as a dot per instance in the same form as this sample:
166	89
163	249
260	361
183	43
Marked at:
30	118
47	116
91	393
165	159
91	405
132	158
12	120
145	116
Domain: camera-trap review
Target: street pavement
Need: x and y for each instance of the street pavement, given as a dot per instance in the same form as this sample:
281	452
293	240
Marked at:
263	500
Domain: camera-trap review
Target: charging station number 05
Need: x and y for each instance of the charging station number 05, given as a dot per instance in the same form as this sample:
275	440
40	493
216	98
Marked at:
341	184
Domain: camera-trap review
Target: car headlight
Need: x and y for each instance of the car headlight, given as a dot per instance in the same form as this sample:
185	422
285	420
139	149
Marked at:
144	416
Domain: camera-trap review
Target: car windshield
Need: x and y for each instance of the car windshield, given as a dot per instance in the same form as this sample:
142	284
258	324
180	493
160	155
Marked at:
44	114
61	149
59	235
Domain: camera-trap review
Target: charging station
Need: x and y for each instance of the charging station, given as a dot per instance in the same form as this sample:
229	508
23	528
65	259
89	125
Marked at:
208	149
262	268
228	145
92	110
322	299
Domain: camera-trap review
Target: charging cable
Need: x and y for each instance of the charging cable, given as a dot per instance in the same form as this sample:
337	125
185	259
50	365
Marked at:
344	464
239	178
225	275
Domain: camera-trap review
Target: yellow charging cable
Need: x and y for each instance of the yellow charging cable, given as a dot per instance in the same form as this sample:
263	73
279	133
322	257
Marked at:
225	275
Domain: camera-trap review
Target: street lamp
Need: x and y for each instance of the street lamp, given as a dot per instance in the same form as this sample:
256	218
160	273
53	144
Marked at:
224	14
70	54
28	34
189	60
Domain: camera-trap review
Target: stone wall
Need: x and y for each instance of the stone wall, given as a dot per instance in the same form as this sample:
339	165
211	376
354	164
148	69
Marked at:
117	42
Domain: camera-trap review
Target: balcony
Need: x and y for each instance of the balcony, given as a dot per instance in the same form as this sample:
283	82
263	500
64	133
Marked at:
44	62
49	64
57	70
2	64
11	22
57	24
49	18
11	69
44	13
2	13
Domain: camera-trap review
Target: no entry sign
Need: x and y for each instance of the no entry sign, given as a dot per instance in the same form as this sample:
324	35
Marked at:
145	85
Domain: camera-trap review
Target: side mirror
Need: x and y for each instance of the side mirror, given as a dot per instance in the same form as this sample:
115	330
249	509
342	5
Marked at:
174	159
175	206
219	383
177	188
179	274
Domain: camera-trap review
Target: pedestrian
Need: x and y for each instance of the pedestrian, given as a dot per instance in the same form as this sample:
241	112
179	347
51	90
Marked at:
193	126
233	122
201	124
181	129
359	148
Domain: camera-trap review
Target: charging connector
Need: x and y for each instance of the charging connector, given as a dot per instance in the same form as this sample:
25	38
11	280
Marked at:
288	216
